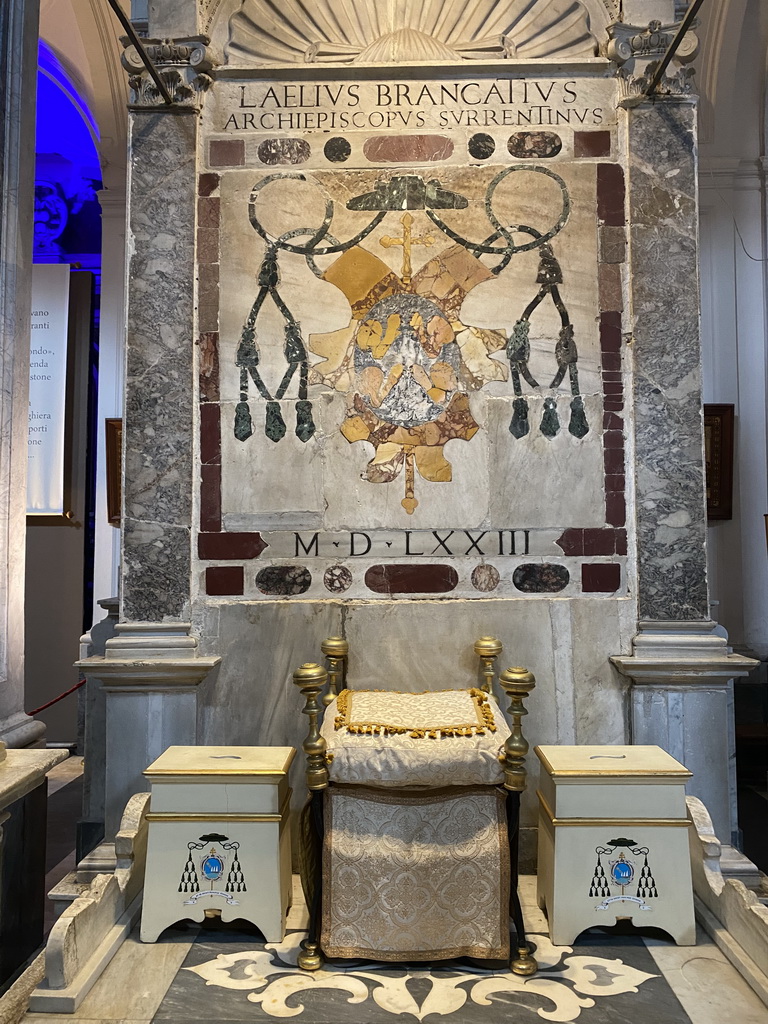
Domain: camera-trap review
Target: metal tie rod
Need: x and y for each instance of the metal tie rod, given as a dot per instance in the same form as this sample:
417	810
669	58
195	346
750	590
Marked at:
137	43
685	24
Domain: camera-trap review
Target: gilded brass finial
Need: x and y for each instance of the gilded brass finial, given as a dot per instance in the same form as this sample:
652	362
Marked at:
488	648
336	651
517	683
523	964
310	958
311	679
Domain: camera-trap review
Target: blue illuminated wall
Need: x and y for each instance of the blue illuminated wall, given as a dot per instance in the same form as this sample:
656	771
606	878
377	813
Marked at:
67	170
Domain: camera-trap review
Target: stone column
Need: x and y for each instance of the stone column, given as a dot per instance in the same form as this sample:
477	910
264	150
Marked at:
151	670
159	392
18	68
680	668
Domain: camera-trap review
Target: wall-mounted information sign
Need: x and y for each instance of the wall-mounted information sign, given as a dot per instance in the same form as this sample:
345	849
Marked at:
47	389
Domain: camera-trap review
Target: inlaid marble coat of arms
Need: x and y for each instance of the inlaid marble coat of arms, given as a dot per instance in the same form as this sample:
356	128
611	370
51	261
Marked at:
407	361
409	291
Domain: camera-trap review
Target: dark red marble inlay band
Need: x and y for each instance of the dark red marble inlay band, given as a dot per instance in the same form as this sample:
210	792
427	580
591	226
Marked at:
610	194
216	546
593	542
411	579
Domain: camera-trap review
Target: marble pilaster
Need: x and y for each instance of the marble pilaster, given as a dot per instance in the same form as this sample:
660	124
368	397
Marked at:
18	61
681	669
669	462
158	476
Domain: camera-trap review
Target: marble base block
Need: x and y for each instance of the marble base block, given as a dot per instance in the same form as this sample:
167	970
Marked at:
150	673
681	701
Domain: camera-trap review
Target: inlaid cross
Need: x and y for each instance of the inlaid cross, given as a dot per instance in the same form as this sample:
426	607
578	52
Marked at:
407	241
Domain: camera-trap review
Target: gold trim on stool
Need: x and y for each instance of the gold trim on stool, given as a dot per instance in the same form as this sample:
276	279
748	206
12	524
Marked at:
612	822
181	816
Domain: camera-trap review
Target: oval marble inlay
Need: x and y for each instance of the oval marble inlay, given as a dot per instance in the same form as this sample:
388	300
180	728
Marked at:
416	149
411	579
284	580
539	144
547	578
284	151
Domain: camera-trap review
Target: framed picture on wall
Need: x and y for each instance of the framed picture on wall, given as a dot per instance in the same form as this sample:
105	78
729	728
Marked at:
718	450
114	430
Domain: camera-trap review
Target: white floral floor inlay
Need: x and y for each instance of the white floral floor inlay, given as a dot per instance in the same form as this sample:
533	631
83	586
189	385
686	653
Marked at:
565	985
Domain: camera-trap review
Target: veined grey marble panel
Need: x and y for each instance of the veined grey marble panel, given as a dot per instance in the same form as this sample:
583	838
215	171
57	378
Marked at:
156	562
670	508
18	60
159	381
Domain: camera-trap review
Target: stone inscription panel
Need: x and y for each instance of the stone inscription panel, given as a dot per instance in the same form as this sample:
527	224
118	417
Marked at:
409	325
407	105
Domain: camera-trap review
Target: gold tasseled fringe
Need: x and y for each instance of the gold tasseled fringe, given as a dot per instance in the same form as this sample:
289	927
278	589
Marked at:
479	698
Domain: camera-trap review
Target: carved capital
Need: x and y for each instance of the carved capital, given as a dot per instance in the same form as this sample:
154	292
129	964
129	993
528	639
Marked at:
637	51
181	65
632	87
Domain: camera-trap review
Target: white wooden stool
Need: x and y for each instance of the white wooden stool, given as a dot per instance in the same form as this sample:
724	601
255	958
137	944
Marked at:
613	840
219	838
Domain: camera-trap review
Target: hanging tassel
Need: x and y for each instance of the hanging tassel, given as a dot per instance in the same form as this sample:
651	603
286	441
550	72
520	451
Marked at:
519	426
274	426
550	424
305	425
578	425
243	421
269	276
294	349
566	354
518	345
247	350
188	881
519	351
598	886
549	269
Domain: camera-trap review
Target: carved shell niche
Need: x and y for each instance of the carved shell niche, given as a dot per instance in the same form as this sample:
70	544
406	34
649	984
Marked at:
393	31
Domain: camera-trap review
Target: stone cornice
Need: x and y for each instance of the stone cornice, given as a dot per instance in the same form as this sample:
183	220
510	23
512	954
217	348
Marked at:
148	674
674	654
22	770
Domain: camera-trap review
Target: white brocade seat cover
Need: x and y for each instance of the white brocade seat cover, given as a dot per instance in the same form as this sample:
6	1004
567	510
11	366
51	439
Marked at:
439	738
415	875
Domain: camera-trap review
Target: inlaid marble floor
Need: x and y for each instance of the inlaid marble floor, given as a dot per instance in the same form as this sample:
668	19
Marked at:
223	974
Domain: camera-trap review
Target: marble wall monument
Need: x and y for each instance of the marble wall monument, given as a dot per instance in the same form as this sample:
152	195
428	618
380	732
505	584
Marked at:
413	356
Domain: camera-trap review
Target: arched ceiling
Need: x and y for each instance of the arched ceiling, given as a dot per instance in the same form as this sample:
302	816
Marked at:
85	36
